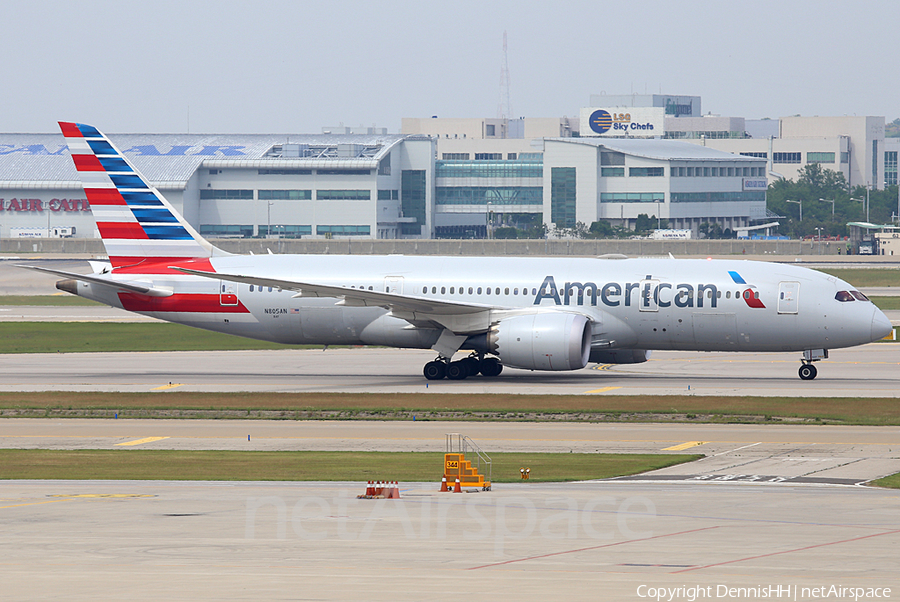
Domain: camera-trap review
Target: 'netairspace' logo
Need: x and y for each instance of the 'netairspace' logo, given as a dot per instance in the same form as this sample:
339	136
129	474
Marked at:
600	121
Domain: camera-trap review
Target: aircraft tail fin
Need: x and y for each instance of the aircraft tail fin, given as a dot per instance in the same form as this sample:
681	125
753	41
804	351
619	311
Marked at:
139	227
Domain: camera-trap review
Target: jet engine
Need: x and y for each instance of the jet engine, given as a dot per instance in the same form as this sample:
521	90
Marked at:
542	341
619	356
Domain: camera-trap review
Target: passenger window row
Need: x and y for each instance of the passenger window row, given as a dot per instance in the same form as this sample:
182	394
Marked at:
462	290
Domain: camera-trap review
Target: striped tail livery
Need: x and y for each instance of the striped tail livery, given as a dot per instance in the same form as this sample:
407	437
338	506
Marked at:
139	228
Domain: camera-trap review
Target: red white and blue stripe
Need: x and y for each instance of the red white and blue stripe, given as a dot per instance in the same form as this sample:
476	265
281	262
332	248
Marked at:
139	228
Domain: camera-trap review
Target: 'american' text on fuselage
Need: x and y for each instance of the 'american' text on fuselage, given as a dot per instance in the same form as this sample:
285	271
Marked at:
686	295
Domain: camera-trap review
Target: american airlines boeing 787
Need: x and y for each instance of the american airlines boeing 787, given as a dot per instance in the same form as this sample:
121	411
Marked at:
530	313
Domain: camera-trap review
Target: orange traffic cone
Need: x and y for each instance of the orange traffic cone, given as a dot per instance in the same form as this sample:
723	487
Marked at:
456	487
379	488
444	484
370	488
395	491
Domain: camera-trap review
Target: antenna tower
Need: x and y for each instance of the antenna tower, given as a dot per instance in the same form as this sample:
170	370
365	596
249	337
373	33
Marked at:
503	109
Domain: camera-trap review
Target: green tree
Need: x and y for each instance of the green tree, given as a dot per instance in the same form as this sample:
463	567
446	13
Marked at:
506	232
644	223
815	183
892	129
602	229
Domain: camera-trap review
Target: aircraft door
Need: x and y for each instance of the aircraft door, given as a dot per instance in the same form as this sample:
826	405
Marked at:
788	297
227	293
393	284
649	295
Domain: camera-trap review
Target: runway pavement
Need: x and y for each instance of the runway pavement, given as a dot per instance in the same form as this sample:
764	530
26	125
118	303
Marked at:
99	313
872	370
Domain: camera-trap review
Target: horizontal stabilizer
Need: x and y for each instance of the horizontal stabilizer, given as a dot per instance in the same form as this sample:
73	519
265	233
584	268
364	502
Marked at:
132	287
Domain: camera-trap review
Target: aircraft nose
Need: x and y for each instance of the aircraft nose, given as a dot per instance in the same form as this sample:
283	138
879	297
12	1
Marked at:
881	326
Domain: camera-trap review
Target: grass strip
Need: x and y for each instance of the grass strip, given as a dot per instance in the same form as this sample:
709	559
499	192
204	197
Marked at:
892	481
74	337
863	277
874	411
311	466
883	303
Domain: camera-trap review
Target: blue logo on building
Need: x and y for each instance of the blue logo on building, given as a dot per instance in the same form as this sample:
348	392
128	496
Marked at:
600	121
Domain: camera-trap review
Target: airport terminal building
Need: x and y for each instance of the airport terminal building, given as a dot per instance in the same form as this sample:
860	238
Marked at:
421	184
618	179
374	186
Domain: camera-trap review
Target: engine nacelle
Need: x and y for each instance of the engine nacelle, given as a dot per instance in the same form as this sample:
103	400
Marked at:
542	341
619	356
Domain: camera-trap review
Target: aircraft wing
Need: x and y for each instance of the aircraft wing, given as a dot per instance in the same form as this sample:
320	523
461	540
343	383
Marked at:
459	317
130	286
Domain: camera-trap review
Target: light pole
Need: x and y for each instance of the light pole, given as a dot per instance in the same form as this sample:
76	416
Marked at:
832	206
800	203
490	219
819	237
269	218
866	203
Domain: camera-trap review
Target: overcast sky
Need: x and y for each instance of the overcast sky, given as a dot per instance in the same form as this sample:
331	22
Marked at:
241	66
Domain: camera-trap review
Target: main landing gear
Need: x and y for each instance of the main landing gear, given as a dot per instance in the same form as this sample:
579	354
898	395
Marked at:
807	369
461	369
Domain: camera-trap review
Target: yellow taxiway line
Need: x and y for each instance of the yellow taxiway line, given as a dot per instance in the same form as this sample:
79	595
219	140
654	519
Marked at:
683	446
144	440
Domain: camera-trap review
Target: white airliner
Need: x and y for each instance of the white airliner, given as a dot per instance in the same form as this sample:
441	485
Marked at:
530	313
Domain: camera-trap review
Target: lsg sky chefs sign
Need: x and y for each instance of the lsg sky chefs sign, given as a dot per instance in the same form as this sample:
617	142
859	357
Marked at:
644	122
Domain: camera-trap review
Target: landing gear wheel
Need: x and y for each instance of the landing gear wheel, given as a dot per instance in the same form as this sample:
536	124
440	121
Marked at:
458	370
473	365
435	370
808	372
491	366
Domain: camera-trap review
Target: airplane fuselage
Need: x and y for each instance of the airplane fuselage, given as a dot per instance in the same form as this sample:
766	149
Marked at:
713	305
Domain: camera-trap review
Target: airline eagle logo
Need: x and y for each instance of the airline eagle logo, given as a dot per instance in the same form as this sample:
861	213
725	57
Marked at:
749	294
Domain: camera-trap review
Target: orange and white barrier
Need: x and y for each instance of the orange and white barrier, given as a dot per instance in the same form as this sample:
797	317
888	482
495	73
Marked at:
388	490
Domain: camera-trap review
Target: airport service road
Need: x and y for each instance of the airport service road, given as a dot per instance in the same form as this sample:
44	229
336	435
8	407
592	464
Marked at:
185	541
90	313
774	454
870	370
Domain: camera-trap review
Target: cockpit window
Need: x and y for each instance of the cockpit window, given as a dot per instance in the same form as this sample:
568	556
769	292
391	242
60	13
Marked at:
844	296
859	295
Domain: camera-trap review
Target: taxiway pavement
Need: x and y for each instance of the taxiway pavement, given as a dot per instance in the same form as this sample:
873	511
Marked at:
871	370
186	541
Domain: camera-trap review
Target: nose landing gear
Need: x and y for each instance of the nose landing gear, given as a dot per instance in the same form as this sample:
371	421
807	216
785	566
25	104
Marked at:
807	369
442	367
